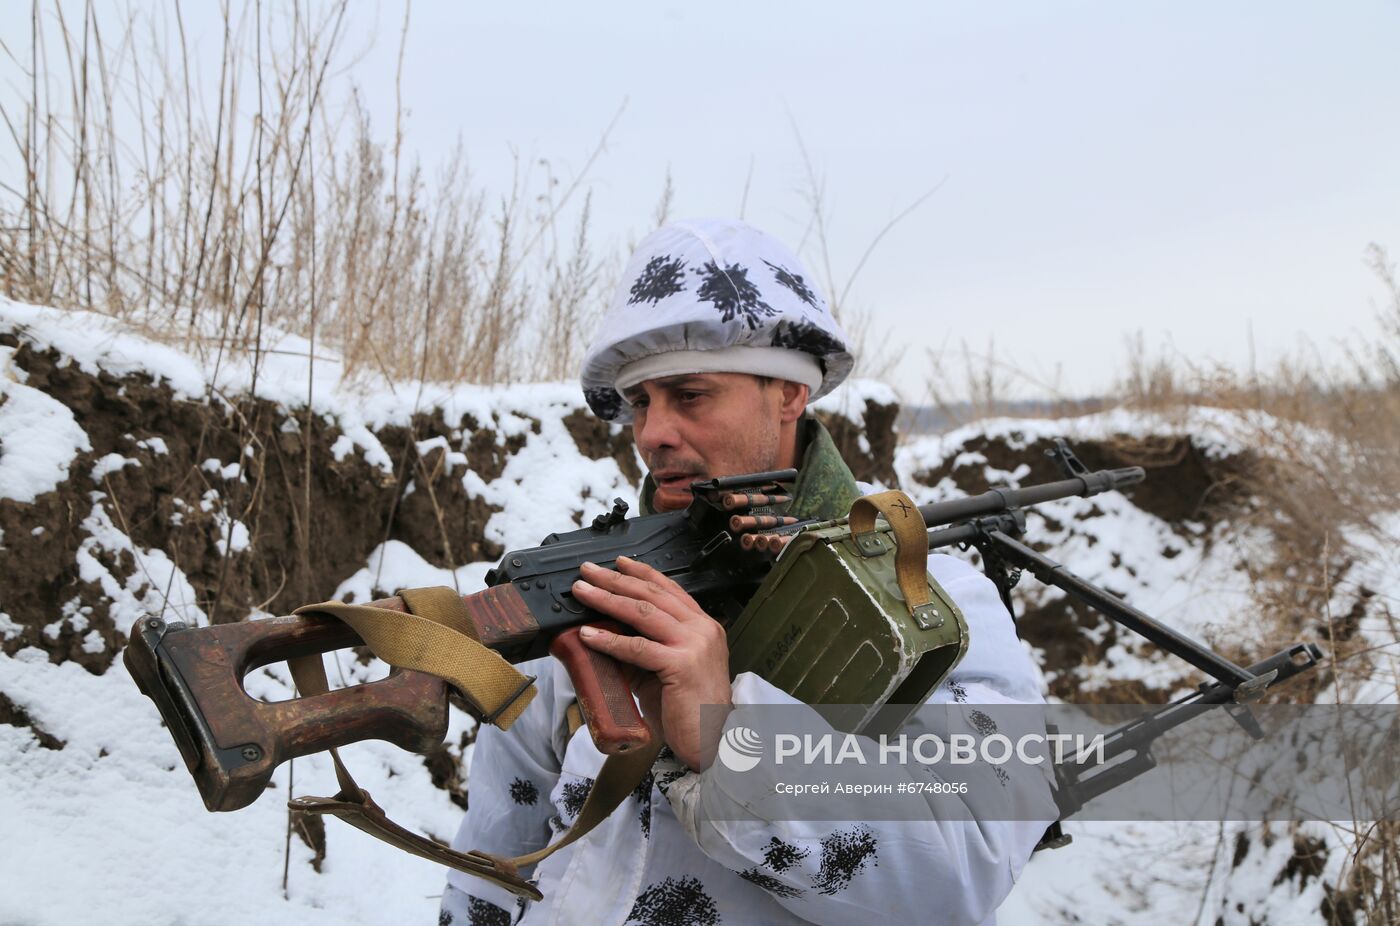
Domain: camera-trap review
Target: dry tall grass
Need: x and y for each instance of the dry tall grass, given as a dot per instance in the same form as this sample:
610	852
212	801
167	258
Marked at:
1325	441
1325	488
1327	478
284	208
131	186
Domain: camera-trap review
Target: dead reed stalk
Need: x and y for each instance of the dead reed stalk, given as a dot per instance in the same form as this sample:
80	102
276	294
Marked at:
131	188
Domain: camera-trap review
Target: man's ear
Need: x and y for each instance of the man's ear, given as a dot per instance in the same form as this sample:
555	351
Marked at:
794	401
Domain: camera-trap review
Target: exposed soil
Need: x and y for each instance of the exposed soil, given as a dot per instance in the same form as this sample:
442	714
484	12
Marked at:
174	502
311	520
434	513
1182	484
16	716
877	463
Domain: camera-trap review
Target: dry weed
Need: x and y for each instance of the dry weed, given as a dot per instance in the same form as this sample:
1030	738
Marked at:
1325	487
284	209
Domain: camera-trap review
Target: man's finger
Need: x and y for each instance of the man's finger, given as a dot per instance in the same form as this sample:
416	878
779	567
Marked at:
668	597
639	570
635	651
637	613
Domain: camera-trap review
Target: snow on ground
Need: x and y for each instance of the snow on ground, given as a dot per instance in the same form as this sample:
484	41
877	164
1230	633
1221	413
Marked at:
1217	431
1163	569
850	398
38	437
1378	571
1186	872
157	587
110	825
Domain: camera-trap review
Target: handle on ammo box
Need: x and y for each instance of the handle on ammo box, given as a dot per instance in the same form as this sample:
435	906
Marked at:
910	538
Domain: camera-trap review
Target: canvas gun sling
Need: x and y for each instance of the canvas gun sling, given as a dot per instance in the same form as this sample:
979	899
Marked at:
910	536
436	636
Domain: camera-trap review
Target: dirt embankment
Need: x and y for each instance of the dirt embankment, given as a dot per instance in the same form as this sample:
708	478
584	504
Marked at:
312	515
1184	487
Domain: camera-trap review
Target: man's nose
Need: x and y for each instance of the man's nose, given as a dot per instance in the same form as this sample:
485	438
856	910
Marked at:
659	429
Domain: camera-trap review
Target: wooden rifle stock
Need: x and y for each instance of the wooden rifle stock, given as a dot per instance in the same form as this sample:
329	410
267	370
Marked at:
232	742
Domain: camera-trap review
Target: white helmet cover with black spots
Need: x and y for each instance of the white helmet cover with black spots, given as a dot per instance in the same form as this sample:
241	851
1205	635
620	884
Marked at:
713	295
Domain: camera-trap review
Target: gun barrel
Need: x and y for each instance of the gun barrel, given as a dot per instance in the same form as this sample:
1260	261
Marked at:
748	480
999	500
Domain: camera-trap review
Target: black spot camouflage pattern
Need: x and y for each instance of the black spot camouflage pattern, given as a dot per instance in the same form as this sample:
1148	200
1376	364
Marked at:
643	795
844	855
730	291
674	902
605	402
807	337
770	884
663	276
982	723
667	769
794	282
573	794
668	778
485	913
524	792
780	856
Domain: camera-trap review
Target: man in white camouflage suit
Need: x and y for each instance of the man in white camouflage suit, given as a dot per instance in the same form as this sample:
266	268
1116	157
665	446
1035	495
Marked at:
713	346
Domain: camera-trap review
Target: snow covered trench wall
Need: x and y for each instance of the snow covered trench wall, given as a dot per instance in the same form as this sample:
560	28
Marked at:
137	480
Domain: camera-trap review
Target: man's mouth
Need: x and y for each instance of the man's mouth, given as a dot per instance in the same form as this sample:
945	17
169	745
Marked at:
669	479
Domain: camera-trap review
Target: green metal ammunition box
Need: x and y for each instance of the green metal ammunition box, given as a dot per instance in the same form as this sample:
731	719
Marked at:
829	625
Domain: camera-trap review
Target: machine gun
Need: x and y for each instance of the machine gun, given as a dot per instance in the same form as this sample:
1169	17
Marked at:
720	549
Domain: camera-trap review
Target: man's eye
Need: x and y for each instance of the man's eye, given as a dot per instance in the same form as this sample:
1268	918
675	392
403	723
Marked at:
639	402
688	396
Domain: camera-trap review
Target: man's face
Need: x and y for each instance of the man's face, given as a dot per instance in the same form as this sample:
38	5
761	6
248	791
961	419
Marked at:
704	425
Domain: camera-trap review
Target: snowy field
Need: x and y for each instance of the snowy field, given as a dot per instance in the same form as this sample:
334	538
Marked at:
110	826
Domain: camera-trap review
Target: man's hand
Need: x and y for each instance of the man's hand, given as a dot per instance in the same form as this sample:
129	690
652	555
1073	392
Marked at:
681	651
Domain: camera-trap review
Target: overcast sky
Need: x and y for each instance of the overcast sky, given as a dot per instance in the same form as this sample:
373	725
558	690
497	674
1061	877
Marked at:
1191	171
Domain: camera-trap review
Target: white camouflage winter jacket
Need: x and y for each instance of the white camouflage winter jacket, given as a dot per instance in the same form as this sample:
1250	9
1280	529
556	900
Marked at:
656	861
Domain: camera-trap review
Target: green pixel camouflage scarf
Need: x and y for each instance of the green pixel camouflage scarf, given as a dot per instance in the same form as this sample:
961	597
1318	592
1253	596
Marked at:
825	487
